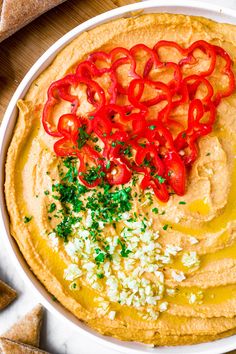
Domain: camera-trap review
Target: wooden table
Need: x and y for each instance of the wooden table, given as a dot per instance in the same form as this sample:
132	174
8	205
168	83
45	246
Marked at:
19	52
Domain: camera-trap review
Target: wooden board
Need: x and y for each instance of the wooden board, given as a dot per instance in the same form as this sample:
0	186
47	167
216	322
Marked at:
19	52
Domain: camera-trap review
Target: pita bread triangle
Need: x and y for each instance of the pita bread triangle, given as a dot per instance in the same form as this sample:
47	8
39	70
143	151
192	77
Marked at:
7	295
10	347
27	329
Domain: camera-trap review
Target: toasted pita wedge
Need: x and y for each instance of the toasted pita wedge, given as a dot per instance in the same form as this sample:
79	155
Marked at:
16	14
7	295
27	329
10	347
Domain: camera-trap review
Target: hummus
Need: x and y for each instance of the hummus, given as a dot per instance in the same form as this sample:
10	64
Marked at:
174	281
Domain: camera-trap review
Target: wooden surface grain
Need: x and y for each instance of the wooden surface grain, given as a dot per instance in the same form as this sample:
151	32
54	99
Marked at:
19	52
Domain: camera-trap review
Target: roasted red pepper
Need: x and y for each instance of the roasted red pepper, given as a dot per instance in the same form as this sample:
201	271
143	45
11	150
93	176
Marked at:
133	114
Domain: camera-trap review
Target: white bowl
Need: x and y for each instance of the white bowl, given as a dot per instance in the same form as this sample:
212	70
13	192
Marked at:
216	13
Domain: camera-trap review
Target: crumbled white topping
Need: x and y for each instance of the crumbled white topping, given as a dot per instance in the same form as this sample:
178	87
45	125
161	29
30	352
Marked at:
72	272
112	315
178	276
103	307
88	221
135	280
54	241
170	292
192	298
193	240
190	259
163	306
172	250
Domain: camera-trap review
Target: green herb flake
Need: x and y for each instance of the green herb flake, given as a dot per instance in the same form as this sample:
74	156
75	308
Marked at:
100	275
161	179
182	202
155	210
108	165
124	251
46	192
27	219
152	127
82	137
52	208
100	258
165	227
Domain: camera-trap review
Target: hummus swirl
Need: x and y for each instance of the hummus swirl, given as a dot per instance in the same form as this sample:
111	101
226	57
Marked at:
173	280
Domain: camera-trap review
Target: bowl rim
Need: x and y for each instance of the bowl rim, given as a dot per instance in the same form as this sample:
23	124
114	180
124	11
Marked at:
171	6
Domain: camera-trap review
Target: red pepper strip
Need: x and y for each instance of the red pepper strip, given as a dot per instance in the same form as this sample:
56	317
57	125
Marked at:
63	87
175	172
93	88
116	139
68	126
103	122
153	60
227	71
124	60
161	135
118	173
56	92
87	69
195	129
102	57
165	95
65	147
159	189
206	48
187	53
150	154
193	82
182	92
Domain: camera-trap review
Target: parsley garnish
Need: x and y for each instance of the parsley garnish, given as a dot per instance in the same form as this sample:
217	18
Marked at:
165	227
27	219
160	178
100	275
82	137
93	174
52	207
152	127
155	210
182	202
124	251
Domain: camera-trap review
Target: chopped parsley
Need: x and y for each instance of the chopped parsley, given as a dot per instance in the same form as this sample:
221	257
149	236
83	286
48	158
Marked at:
152	127
46	192
52	207
108	165
182	202
161	179
100	275
93	174
82	137
124	250
27	219
165	227
64	228
155	210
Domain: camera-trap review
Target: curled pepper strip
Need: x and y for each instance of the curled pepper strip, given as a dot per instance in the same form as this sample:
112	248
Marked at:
137	133
226	71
